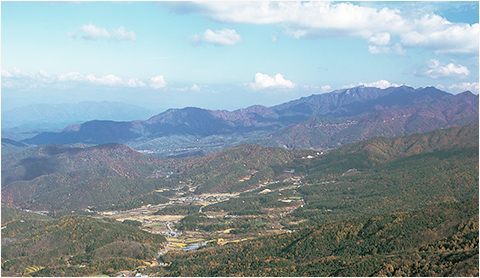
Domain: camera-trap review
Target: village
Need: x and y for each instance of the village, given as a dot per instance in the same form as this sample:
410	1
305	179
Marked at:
194	239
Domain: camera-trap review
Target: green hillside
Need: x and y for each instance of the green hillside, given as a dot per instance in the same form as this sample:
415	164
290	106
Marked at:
239	168
74	245
113	176
366	154
395	207
379	175
11	215
59	178
438	240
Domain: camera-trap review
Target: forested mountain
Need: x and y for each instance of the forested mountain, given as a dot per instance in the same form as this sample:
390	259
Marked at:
397	206
11	146
325	132
438	240
380	175
72	246
57	177
54	177
319	121
357	101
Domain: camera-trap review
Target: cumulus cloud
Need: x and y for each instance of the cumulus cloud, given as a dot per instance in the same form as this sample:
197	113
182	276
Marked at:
6	73
465	86
435	69
377	49
220	37
71	76
437	33
120	34
134	82
398	49
308	18
93	32
19	79
381	44
263	81
382	84
380	39
332	19
106	80
157	82
90	32
326	88
195	88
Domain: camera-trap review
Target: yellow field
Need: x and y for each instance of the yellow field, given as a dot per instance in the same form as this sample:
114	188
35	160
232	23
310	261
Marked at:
179	244
32	269
194	240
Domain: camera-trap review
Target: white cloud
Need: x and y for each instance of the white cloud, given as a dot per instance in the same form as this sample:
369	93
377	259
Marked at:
120	34
108	80
16	73
437	33
381	44
6	73
380	39
465	86
326	88
134	82
19	79
195	88
93	32
71	76
219	37
399	49
263	81
376	49
382	84
157	82
380	27
90	32
435	69
308	18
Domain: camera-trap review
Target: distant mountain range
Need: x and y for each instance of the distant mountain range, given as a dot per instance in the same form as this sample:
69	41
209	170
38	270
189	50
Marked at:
326	133
320	121
21	122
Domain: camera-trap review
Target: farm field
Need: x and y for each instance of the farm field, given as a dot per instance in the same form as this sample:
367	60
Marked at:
181	238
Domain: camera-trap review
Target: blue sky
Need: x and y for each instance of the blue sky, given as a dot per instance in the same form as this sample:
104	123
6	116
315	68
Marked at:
229	55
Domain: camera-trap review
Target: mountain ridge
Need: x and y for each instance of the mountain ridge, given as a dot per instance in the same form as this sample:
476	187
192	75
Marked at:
38	174
213	130
444	112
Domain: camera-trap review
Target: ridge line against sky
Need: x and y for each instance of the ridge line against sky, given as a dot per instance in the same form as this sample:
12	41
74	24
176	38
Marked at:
229	55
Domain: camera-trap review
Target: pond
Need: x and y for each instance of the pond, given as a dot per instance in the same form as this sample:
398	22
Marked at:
194	246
